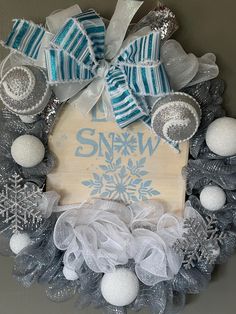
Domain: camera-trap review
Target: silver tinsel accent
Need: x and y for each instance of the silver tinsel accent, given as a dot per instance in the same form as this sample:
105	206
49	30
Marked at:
161	19
19	205
51	113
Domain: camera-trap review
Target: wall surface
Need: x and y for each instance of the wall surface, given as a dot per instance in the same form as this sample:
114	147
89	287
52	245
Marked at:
206	26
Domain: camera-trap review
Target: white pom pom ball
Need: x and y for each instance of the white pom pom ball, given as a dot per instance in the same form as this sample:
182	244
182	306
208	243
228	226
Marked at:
70	274
120	288
212	198
27	151
18	242
221	136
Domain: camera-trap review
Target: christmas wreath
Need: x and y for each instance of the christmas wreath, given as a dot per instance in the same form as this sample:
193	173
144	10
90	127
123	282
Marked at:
107	253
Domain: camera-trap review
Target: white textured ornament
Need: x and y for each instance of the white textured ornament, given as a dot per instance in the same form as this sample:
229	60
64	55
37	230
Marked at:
212	197
18	242
28	119
27	151
221	136
120	287
70	274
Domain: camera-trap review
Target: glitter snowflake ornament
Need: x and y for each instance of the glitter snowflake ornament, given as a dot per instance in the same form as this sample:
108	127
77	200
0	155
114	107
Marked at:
19	205
200	241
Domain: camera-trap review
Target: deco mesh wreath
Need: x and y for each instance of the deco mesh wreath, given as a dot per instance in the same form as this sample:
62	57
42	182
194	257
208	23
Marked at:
110	254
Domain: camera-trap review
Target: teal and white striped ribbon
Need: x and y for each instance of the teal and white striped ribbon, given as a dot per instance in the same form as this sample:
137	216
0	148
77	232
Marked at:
76	49
137	71
25	37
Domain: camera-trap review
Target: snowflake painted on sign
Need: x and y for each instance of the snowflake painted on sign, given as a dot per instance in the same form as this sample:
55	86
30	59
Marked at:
200	241
121	182
19	204
125	143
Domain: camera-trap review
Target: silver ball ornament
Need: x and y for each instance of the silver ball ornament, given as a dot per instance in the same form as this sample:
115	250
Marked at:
25	90
176	117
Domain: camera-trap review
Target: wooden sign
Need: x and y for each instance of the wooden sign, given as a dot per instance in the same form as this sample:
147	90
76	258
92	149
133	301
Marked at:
97	159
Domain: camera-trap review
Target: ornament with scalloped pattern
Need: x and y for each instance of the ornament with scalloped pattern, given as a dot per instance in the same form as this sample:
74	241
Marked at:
24	90
176	117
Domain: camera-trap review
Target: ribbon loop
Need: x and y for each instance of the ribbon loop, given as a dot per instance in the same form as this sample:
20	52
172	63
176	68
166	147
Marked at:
120	21
25	37
125	104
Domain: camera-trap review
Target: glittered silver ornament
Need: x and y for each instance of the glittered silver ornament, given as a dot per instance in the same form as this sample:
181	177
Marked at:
24	90
200	241
176	117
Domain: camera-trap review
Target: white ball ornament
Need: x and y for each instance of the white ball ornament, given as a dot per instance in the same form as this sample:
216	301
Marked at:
69	274
18	242
120	287
212	198
27	151
221	136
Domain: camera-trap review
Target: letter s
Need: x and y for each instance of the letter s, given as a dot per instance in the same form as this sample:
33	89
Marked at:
86	141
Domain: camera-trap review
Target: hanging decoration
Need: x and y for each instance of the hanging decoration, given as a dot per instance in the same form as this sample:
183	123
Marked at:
106	253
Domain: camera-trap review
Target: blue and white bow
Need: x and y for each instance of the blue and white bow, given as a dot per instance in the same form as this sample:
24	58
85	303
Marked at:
84	52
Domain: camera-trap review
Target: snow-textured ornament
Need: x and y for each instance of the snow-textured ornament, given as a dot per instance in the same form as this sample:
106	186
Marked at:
19	205
199	242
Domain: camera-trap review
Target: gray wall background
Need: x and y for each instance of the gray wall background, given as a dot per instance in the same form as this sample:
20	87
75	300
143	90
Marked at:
206	26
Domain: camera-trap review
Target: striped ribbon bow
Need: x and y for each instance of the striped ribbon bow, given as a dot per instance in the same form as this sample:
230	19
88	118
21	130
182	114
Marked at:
83	51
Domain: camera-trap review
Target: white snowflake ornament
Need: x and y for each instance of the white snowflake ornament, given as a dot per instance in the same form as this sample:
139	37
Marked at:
19	205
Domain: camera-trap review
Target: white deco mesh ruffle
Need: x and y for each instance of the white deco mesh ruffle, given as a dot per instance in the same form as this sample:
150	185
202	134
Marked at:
106	234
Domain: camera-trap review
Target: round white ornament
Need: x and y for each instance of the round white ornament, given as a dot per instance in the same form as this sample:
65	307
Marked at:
27	151
221	136
18	242
212	197
28	119
120	288
69	274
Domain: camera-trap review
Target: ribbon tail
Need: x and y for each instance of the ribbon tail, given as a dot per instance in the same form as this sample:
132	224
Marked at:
55	20
120	21
107	108
88	97
65	91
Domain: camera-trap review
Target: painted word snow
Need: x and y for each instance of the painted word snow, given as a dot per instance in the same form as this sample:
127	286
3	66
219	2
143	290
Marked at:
97	159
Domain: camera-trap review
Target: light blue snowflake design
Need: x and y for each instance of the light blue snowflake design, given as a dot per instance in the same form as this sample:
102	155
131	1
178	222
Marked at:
125	143
121	182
